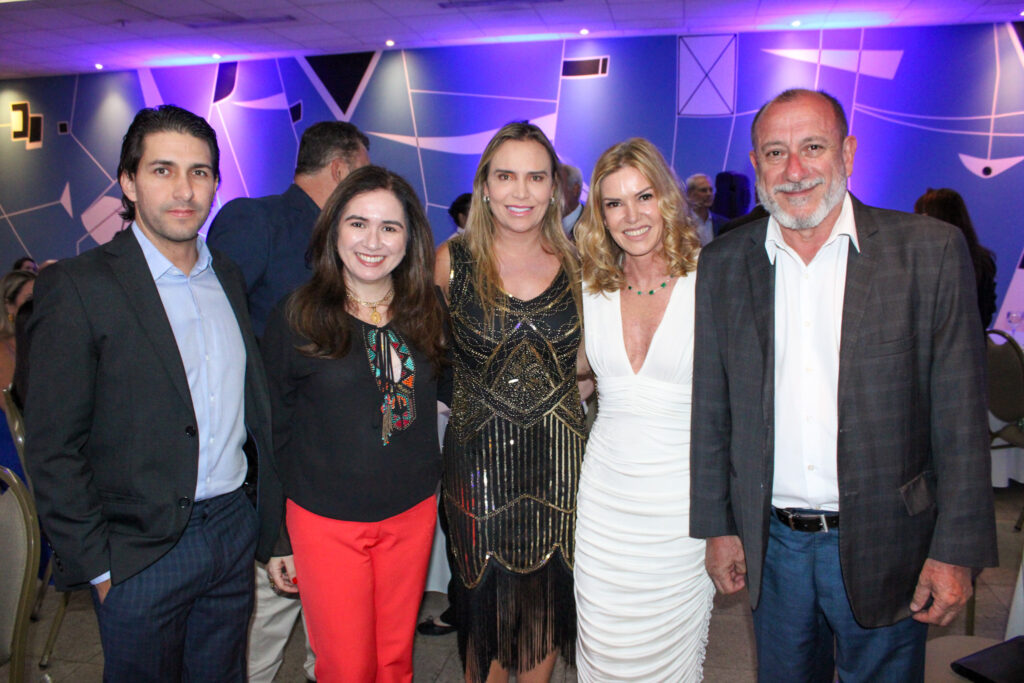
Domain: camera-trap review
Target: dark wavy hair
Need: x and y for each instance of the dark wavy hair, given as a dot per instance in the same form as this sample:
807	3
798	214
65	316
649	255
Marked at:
317	309
165	118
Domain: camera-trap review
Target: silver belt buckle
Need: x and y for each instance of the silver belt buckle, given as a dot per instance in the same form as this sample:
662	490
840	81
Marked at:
824	522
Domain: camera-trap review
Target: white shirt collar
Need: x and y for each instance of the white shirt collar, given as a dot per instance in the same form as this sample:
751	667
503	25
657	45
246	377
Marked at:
844	226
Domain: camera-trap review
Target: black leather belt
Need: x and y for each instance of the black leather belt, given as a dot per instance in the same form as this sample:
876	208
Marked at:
807	521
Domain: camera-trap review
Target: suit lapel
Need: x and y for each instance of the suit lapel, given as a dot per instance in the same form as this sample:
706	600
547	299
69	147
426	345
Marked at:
235	295
762	291
761	274
860	269
130	268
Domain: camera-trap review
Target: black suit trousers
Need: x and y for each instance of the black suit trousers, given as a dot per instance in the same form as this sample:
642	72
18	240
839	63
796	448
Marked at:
184	617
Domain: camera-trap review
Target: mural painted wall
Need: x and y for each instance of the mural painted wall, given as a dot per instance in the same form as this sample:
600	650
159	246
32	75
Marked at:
931	107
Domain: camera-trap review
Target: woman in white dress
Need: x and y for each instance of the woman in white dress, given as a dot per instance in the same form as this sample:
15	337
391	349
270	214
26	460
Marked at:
643	597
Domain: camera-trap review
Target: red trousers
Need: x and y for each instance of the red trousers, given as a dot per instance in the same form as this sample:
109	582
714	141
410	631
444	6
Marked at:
361	584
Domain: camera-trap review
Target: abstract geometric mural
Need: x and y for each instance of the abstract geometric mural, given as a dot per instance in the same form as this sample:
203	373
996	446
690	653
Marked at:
931	107
707	75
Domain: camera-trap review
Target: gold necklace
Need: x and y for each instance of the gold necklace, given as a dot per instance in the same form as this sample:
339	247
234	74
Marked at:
375	317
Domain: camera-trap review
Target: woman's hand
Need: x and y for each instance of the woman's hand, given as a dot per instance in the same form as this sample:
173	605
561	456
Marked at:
281	571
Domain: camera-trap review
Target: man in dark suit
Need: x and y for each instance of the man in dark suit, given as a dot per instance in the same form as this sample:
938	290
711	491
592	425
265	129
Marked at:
268	238
148	417
840	467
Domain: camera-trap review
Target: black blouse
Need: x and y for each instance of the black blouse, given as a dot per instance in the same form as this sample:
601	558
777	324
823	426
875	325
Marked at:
328	443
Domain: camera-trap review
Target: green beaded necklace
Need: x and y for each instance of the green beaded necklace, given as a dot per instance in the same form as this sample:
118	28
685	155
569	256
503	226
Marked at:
640	292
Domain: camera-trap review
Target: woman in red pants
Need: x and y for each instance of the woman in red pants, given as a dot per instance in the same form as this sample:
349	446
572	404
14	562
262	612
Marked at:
355	358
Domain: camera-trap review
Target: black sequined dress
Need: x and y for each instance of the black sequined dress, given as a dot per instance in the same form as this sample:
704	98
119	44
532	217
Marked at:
512	457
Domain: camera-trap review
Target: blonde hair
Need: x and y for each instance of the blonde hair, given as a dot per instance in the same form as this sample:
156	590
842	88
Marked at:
602	257
479	235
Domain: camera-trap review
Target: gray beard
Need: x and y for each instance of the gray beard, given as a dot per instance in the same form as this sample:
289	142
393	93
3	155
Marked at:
834	194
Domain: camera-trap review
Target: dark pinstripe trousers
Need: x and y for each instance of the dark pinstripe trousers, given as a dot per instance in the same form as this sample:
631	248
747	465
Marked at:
184	617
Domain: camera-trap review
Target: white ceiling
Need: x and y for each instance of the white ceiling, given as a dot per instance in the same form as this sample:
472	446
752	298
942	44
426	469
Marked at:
47	37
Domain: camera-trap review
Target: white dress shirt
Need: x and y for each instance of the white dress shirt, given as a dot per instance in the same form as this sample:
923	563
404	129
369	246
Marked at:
808	332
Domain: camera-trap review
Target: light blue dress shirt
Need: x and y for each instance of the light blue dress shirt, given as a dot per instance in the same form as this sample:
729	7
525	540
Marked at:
213	353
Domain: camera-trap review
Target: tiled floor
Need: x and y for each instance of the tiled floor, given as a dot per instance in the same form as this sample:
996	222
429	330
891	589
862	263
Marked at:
730	653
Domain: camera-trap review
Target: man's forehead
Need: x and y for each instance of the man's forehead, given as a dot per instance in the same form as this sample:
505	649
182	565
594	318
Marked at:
162	143
805	109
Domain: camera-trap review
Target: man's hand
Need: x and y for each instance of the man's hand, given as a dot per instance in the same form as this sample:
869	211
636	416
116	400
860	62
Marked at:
949	587
726	563
102	589
281	571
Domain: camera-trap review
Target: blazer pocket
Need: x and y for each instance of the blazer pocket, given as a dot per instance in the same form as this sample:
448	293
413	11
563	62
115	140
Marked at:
892	347
123	512
919	493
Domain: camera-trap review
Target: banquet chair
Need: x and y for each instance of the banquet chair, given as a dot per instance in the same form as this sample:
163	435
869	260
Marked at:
16	425
1006	394
19	546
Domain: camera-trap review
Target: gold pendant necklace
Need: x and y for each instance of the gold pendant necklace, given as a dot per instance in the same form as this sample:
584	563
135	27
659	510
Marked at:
375	317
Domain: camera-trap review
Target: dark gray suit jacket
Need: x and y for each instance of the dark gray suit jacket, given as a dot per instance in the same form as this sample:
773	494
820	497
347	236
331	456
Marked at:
111	444
913	456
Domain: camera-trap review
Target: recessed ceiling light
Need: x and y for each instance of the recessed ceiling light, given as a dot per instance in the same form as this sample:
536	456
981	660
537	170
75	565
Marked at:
215	55
389	42
796	22
98	66
584	31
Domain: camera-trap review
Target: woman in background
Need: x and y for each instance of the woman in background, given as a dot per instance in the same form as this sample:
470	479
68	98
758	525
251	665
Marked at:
17	287
514	445
642	593
947	205
354	358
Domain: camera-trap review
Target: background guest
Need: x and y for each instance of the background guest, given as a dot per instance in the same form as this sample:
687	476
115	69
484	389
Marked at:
571	184
17	287
947	205
26	263
700	194
459	211
354	358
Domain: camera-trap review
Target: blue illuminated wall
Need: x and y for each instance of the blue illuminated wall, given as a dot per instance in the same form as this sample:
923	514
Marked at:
931	107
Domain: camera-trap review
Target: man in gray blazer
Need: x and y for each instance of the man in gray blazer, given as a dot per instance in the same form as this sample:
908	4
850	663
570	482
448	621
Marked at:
840	467
149	421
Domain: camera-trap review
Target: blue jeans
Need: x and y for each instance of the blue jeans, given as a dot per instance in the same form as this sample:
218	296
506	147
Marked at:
805	628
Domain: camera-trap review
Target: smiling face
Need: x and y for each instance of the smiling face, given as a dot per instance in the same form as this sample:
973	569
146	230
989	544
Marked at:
172	188
631	213
801	162
372	237
519	185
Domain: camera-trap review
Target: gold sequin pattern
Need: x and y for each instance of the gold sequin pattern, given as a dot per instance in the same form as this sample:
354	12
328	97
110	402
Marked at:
515	442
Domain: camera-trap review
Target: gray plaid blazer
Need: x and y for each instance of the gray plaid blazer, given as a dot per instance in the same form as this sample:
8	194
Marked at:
913	457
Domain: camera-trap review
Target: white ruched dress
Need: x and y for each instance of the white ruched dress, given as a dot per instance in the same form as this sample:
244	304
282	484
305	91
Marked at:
643	597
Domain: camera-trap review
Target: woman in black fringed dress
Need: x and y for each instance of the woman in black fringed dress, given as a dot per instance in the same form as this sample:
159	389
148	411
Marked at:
514	445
